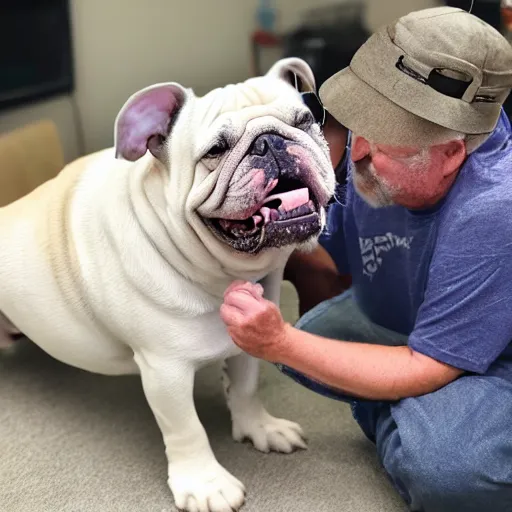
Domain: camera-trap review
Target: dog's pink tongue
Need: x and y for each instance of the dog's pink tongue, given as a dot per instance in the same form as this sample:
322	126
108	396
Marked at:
290	200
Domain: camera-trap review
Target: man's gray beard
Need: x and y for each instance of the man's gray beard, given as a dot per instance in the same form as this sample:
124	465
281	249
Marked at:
364	178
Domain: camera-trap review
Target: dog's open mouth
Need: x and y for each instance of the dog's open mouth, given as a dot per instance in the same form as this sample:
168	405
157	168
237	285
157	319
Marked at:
289	214
282	208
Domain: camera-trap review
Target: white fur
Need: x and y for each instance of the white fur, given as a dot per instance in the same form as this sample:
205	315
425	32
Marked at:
108	268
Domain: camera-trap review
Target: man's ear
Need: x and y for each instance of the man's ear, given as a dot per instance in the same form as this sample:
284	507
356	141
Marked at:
146	119
454	153
296	72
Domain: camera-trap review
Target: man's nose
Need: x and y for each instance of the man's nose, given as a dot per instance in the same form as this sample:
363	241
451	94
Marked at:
360	148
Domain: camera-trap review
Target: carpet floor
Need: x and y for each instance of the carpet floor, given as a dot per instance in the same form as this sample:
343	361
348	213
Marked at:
71	441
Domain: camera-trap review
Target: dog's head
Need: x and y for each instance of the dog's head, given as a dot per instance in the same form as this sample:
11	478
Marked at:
246	163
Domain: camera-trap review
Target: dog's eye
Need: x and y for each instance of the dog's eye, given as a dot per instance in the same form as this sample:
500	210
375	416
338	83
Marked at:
304	120
217	150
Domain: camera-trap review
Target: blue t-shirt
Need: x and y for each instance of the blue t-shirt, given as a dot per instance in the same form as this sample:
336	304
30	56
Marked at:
442	276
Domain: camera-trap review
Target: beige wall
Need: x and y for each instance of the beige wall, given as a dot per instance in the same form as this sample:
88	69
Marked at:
377	11
123	45
384	11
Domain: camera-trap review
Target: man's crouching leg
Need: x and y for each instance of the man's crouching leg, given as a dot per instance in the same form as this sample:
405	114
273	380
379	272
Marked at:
451	450
447	451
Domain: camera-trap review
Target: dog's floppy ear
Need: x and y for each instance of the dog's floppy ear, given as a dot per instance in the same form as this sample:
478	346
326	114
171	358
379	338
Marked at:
296	72
146	119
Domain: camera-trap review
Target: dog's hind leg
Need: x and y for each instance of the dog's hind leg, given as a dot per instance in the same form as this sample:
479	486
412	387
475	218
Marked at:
7	332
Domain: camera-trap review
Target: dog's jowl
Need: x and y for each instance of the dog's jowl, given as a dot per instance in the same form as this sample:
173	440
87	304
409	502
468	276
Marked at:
134	246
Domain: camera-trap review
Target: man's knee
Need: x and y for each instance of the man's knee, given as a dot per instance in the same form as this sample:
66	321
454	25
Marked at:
433	479
455	459
336	318
341	318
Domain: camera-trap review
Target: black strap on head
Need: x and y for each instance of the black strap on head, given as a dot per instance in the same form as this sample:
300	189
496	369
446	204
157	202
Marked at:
312	101
446	85
452	87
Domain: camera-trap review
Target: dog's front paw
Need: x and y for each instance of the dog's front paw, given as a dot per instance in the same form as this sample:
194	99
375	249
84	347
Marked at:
205	489
268	433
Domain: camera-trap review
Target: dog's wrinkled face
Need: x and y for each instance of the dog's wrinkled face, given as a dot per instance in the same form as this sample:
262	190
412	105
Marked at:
273	197
273	182
262	174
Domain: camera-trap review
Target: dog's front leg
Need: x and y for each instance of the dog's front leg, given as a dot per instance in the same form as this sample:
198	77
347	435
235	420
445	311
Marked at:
250	419
198	482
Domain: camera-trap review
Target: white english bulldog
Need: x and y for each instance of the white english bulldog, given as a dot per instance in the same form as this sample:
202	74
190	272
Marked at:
119	264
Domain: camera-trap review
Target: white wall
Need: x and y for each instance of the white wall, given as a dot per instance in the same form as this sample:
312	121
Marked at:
124	45
121	46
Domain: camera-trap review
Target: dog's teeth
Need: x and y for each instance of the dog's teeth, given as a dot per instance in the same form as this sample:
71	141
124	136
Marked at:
265	212
257	219
262	236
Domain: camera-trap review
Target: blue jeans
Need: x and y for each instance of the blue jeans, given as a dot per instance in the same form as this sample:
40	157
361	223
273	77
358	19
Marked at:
448	451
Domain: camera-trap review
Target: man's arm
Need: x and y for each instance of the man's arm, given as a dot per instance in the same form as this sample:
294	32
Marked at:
366	371
375	372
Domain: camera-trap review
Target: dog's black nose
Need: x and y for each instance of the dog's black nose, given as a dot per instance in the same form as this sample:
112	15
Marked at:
265	142
259	147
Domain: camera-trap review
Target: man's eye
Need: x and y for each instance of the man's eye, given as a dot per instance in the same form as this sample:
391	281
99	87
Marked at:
217	150
397	153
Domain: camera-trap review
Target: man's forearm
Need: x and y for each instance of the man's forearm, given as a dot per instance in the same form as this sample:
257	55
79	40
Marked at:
374	372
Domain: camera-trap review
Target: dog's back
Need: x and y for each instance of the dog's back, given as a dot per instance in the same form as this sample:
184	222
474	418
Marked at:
35	224
38	265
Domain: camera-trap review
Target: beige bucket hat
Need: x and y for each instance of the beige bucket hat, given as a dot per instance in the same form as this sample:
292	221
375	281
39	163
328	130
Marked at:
425	77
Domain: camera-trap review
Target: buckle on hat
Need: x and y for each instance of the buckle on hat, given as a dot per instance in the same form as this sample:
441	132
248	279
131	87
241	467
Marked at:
449	86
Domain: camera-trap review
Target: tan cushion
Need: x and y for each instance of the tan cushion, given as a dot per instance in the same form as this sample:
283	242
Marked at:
29	156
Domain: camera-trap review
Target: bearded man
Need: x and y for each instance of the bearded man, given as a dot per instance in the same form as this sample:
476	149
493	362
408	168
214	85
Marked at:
420	343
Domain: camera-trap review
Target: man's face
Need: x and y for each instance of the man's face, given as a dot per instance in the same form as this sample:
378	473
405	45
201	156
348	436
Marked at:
387	175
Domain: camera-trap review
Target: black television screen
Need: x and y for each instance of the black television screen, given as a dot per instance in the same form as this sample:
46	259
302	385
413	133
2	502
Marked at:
35	50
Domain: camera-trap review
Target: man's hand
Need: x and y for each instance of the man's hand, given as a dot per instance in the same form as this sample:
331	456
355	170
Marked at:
254	323
369	371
